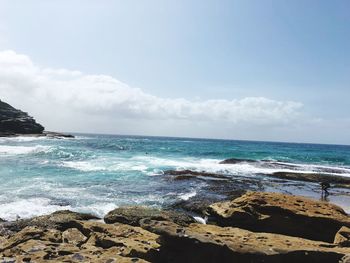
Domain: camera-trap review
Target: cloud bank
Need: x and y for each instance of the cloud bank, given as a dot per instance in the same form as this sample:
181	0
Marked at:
69	95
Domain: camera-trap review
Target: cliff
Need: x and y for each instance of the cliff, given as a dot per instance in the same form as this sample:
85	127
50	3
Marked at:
14	121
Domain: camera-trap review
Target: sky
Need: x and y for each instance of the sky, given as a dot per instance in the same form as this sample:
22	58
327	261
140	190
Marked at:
276	70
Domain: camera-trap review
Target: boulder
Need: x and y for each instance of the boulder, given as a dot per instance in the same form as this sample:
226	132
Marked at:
73	236
62	220
210	243
342	238
14	121
132	215
282	214
87	241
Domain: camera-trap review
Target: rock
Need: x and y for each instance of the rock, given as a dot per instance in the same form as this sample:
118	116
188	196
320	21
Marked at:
88	241
188	174
236	160
210	243
14	121
62	220
73	236
342	238
199	204
132	215
336	181
130	241
57	135
282	214
345	259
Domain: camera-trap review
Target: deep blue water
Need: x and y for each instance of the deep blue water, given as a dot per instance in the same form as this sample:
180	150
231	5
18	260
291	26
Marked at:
96	173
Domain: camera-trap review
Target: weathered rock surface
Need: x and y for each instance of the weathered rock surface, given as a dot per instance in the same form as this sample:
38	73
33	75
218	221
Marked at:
79	241
209	243
342	238
132	215
14	121
278	228
60	220
283	214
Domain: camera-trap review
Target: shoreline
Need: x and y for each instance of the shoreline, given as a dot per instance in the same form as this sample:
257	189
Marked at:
252	227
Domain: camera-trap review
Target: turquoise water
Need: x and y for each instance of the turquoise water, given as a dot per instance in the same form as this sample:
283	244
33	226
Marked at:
96	173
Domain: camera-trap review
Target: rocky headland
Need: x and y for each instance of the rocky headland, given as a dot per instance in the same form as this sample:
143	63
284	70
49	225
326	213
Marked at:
14	122
253	227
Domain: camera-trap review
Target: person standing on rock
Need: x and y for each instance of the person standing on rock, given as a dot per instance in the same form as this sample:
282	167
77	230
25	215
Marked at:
325	186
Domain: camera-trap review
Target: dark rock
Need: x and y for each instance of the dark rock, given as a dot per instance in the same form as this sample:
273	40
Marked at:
236	160
281	214
188	174
132	215
335	180
199	204
14	121
57	135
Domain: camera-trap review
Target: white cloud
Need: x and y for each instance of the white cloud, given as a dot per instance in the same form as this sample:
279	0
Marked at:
71	94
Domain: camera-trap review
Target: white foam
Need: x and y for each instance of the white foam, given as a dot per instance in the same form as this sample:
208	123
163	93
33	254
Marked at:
151	165
16	150
187	196
27	208
21	139
99	209
84	166
106	164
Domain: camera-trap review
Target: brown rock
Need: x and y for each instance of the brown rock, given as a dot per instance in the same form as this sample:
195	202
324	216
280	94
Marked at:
283	214
132	215
73	236
345	259
125	240
342	238
209	243
61	220
87	241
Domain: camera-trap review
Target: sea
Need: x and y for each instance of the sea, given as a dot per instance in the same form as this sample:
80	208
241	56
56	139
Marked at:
97	173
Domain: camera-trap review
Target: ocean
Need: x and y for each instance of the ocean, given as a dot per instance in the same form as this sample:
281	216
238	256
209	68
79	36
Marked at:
97	173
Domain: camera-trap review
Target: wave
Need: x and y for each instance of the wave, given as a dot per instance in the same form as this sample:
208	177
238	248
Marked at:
21	139
16	150
187	196
27	208
151	165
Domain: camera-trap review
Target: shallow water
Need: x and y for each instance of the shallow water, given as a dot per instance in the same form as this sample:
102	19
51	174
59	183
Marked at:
96	173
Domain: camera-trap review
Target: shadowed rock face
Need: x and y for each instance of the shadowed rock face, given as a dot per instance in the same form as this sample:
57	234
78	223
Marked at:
210	243
282	214
14	121
132	215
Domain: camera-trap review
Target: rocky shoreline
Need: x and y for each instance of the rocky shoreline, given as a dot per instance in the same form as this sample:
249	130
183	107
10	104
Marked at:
253	227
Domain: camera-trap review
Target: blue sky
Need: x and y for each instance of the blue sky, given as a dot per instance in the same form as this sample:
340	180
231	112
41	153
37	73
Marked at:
285	51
